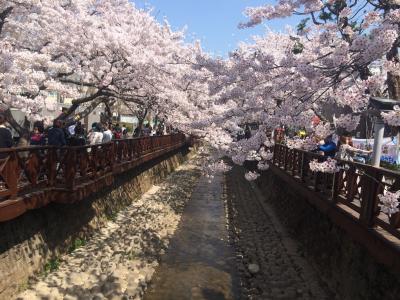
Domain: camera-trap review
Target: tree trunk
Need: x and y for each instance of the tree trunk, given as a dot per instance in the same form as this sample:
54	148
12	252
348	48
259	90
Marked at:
69	119
393	81
107	116
21	130
141	121
95	99
393	86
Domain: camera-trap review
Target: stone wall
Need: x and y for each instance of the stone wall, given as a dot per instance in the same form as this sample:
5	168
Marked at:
346	267
39	236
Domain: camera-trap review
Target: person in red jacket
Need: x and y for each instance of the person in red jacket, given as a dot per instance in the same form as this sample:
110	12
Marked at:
37	138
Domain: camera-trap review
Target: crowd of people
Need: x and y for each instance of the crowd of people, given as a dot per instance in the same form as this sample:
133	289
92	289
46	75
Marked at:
62	134
333	146
342	148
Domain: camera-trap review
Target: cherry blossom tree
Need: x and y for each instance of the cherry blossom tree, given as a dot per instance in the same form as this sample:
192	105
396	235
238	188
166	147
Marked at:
289	78
97	53
357	33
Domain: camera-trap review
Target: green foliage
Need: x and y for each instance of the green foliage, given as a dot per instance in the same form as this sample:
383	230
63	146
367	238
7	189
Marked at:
22	287
77	243
302	25
298	48
51	266
325	16
338	6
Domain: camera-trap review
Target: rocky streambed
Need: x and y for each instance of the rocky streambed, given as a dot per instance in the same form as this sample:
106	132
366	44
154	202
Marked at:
119	261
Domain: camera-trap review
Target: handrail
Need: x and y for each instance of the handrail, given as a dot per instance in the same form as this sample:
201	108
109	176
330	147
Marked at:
354	188
32	177
317	155
36	147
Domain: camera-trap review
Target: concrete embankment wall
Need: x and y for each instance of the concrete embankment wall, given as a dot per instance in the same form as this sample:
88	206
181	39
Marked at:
346	266
30	242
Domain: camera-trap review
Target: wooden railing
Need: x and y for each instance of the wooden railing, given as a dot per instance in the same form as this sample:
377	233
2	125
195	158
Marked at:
32	177
354	189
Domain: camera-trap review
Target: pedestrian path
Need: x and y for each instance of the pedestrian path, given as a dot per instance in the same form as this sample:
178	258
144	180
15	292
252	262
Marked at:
200	263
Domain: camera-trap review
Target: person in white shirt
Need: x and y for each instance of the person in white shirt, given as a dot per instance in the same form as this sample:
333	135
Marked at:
347	151
95	136
107	135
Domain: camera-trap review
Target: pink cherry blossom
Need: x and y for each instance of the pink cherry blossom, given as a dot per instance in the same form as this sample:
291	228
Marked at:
389	202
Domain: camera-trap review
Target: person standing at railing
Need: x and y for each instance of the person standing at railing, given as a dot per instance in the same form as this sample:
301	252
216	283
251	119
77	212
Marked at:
328	147
95	135
125	133
78	138
279	135
146	131
23	142
117	132
348	152
107	134
56	135
37	137
6	140
160	130
80	134
136	132
153	132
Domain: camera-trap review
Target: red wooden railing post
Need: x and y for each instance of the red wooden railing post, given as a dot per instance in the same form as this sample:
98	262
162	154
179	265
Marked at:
275	154
369	196
303	166
130	149
83	160
337	182
51	166
294	164
285	158
315	182
70	165
10	173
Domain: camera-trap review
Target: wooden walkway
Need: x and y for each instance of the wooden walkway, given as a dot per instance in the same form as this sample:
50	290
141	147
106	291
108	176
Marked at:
33	177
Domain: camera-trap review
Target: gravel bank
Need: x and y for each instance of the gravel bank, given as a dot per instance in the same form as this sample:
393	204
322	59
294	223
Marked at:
119	261
267	258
